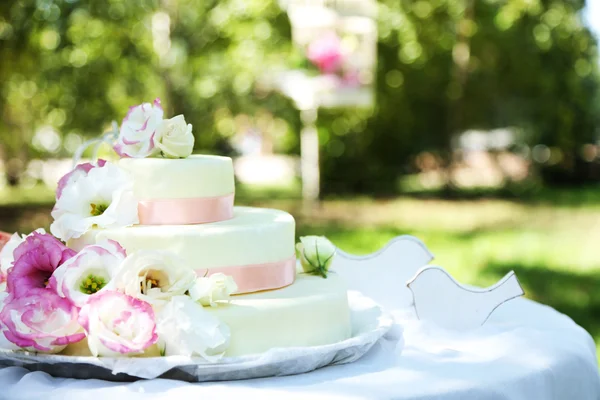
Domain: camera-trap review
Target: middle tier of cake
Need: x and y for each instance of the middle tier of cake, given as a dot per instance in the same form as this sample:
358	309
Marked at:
256	246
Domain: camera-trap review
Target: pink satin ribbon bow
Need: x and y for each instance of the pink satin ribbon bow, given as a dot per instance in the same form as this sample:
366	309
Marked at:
257	277
200	210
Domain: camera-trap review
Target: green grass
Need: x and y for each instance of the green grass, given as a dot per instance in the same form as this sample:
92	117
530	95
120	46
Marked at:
549	240
19	196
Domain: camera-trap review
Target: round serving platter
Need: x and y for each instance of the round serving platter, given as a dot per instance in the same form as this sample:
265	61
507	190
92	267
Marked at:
369	324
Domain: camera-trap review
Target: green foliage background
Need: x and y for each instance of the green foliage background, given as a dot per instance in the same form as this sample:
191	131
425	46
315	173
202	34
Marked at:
443	66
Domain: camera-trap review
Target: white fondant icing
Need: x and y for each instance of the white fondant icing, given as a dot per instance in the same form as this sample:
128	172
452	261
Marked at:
195	176
252	236
311	312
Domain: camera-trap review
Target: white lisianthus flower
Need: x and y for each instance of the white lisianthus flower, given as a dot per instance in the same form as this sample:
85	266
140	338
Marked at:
316	254
7	254
154	276
174	138
208	290
138	129
117	324
88	272
103	198
185	328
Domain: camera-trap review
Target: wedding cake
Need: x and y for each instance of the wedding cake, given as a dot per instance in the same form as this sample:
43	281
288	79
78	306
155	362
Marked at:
158	258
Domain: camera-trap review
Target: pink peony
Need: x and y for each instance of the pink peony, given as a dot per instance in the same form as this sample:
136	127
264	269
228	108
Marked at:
136	137
41	320
118	324
326	53
35	261
77	172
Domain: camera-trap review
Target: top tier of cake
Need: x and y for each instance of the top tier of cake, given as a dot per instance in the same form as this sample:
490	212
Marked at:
198	176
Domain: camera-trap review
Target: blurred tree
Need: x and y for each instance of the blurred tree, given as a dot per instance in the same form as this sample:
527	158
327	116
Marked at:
70	67
446	66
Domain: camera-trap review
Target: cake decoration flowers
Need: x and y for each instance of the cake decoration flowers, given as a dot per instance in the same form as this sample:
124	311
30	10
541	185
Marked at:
35	261
122	304
208	290
144	133
89	272
79	171
40	320
138	129
7	254
154	276
174	138
185	328
316	254
118	324
103	197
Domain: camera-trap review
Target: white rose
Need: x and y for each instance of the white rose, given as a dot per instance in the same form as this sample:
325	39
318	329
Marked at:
103	198
185	328
174	138
207	291
154	276
138	129
316	254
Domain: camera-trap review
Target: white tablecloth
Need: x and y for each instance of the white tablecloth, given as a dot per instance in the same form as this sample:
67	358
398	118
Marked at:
525	351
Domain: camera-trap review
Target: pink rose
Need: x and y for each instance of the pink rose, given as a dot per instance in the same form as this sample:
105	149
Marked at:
35	261
79	171
41	320
136	137
118	324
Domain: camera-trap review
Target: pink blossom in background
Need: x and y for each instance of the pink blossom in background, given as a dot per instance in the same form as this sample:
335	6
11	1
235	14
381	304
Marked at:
77	172
41	320
326	53
35	261
351	79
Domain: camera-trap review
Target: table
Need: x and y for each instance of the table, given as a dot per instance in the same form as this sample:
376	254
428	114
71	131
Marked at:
525	351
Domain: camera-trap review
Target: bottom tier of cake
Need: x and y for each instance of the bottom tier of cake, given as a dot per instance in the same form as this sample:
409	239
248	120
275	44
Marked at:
311	312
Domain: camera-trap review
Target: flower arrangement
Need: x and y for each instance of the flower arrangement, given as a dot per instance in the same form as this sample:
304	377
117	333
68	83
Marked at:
122	304
144	133
146	302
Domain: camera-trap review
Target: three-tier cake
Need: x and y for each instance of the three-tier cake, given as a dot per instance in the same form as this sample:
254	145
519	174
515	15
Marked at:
148	256
276	305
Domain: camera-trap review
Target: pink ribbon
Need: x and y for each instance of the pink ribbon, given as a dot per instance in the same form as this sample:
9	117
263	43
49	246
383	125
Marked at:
257	277
199	210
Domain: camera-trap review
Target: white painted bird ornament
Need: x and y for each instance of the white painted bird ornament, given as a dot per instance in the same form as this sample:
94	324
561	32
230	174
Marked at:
441	299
